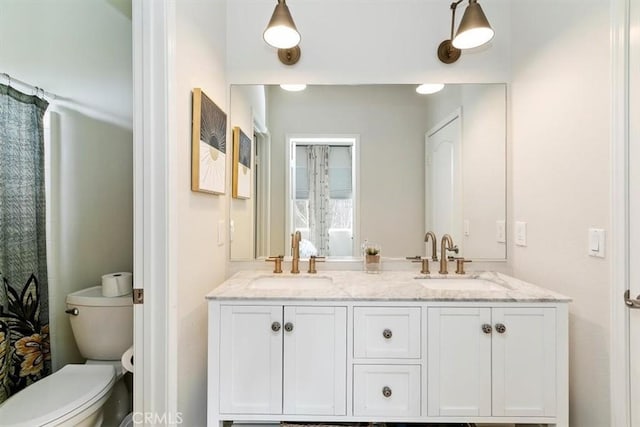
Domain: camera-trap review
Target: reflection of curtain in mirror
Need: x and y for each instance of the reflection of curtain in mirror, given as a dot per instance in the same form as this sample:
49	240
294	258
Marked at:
318	169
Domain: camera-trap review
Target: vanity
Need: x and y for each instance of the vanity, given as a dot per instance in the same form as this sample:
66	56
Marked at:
345	346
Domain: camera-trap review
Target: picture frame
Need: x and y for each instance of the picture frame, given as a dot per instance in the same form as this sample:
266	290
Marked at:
208	145
241	183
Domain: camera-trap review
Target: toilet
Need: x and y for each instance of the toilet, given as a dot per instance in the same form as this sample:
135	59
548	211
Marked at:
77	394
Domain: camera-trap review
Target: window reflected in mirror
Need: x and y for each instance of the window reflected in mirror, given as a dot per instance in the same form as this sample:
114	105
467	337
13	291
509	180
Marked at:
322	174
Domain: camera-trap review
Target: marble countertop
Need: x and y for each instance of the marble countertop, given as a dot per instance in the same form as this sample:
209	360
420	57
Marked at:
386	286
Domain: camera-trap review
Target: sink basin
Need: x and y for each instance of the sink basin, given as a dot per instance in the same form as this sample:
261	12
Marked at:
289	282
460	284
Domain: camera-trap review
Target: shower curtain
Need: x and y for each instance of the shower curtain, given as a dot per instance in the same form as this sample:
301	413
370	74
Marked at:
24	311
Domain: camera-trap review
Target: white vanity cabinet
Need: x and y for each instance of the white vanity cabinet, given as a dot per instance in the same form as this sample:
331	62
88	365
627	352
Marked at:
386	348
492	361
282	359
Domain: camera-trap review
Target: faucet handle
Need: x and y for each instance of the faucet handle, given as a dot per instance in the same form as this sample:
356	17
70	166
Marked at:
277	260
312	263
414	258
460	265
424	265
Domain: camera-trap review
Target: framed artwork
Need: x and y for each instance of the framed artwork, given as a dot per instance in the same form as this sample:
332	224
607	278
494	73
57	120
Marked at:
241	186
208	145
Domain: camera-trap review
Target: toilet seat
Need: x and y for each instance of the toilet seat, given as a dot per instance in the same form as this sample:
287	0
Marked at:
58	397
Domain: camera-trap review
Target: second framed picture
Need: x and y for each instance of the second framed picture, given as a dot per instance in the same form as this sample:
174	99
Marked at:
241	182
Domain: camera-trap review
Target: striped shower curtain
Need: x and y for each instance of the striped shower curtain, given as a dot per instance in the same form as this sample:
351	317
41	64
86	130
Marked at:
24	308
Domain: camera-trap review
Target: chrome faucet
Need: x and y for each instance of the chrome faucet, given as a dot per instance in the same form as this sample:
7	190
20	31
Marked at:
446	245
434	240
295	252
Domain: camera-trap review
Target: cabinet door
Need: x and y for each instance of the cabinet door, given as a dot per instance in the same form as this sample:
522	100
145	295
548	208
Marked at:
459	362
524	362
251	359
315	360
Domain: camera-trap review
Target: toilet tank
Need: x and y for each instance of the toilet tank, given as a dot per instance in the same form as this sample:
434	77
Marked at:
103	326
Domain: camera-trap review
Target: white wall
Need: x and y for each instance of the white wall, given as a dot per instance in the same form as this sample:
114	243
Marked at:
200	62
363	41
91	214
80	51
560	176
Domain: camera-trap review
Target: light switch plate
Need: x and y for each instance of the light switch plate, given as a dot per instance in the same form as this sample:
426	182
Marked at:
520	237
501	232
596	242
221	233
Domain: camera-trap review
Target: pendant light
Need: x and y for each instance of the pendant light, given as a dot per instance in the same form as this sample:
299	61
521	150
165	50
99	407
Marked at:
281	32
474	31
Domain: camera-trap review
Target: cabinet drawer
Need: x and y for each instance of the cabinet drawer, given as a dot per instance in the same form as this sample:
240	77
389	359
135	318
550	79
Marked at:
390	390
386	332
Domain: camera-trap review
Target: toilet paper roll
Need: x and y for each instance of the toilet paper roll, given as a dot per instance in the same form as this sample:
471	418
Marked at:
127	359
117	284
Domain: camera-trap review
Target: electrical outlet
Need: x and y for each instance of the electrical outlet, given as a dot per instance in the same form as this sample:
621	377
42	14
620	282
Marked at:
221	233
501	232
521	233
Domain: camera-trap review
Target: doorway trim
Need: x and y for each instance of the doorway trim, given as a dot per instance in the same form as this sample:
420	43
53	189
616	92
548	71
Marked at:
619	265
155	168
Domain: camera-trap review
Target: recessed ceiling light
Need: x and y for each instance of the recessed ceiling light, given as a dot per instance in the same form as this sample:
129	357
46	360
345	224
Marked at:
293	87
429	88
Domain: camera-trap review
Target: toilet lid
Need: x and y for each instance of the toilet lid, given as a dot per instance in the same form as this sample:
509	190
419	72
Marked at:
93	297
63	394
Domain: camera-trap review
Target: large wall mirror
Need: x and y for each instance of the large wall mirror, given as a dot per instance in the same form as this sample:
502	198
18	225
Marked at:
379	163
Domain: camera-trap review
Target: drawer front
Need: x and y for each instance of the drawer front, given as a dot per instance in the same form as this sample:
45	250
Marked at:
386	332
386	390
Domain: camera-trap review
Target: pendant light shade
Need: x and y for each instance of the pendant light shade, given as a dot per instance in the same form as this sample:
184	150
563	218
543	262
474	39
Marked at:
474	29
281	32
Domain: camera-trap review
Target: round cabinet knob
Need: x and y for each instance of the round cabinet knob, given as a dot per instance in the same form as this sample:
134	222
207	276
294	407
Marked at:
288	326
275	326
500	328
387	334
386	391
486	328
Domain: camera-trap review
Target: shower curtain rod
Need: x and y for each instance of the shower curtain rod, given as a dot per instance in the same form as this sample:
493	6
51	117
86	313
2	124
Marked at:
37	90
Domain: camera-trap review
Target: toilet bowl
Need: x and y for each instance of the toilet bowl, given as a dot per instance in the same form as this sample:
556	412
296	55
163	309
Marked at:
76	395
